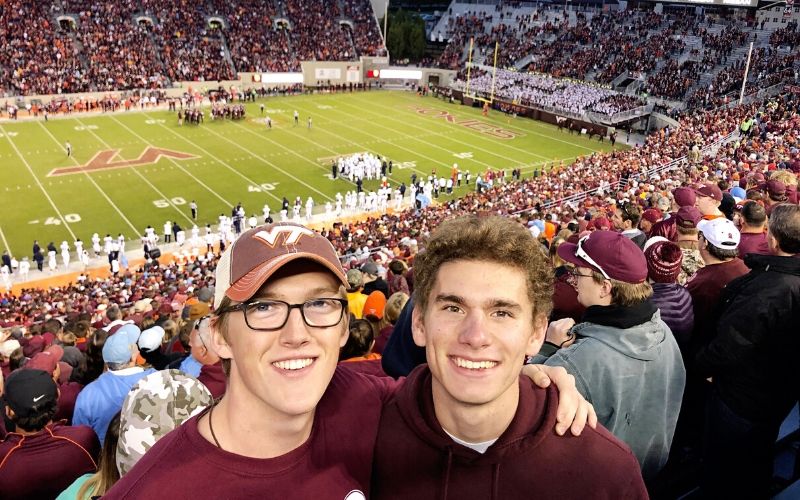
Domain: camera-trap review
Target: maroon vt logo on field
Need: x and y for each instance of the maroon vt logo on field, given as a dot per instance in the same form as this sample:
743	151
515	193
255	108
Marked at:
102	161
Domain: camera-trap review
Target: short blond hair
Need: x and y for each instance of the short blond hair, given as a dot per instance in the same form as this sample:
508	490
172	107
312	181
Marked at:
625	294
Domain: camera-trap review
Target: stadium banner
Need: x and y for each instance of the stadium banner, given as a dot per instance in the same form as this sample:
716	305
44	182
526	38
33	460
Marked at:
400	74
281	77
354	74
328	74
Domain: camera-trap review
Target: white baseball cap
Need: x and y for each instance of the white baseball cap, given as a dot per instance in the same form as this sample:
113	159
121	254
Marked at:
720	232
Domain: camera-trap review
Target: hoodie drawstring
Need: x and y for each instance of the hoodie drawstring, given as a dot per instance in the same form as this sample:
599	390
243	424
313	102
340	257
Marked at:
446	477
495	480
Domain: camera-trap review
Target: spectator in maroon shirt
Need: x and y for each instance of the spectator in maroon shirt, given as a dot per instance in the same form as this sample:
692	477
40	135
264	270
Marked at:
41	458
753	230
718	241
391	312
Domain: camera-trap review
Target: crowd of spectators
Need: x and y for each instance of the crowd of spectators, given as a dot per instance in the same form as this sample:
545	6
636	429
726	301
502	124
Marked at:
788	36
316	33
256	43
38	57
144	45
538	90
365	33
121	53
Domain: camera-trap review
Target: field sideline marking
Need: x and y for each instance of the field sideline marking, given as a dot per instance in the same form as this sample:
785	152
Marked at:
264	159
174	162
163	196
36	179
225	164
534	123
135	230
5	242
509	146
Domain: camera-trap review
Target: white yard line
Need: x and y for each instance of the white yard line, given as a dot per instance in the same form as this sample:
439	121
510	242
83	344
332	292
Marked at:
453	111
435	161
264	159
219	160
136	171
38	183
174	162
467	144
5	241
130	224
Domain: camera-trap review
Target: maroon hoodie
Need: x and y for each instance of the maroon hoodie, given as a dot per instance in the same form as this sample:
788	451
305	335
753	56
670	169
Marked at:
415	458
335	460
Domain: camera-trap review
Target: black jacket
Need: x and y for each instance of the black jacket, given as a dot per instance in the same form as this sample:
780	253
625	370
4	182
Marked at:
754	355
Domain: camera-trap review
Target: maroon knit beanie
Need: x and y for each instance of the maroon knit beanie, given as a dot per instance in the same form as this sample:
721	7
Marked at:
663	262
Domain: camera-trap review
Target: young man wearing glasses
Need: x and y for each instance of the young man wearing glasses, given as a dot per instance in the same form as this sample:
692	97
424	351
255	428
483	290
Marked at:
290	424
624	357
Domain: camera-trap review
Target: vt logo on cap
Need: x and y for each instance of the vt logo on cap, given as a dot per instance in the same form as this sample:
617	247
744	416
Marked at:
293	234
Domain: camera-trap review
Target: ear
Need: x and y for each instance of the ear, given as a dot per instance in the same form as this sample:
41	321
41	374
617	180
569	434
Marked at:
221	346
9	413
537	335
418	326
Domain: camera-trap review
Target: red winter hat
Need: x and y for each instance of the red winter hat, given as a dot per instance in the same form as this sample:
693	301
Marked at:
664	261
609	253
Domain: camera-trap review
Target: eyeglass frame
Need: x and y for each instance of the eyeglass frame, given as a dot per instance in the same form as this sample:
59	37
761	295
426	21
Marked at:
581	253
197	327
574	272
244	306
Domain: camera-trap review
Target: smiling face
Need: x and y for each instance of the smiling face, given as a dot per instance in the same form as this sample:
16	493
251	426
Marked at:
289	369
476	329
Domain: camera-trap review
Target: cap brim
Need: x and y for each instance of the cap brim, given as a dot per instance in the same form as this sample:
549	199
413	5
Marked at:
567	252
248	285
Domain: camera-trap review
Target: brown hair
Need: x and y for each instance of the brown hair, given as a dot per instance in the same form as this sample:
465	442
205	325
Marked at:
494	239
626	294
359	343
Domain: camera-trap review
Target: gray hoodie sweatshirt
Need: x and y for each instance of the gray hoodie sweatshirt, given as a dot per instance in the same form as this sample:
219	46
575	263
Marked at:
626	362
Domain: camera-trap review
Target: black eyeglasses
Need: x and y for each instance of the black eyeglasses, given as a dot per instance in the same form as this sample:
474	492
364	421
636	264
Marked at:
574	272
271	315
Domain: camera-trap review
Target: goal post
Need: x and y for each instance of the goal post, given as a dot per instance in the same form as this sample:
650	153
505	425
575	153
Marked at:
472	95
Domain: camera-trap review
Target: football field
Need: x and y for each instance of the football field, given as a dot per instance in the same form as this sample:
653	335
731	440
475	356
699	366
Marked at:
131	169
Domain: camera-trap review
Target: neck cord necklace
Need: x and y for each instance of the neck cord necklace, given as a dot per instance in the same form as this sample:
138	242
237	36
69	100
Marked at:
211	427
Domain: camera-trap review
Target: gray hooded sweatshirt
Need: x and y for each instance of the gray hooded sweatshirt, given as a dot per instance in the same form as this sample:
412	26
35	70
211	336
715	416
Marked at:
627	363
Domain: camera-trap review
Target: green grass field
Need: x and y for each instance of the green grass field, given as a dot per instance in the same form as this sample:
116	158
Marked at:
242	161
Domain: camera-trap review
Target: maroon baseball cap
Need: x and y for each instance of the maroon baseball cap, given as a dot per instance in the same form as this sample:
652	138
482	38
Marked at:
258	253
613	255
688	217
776	190
710	190
684	196
46	360
652	215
